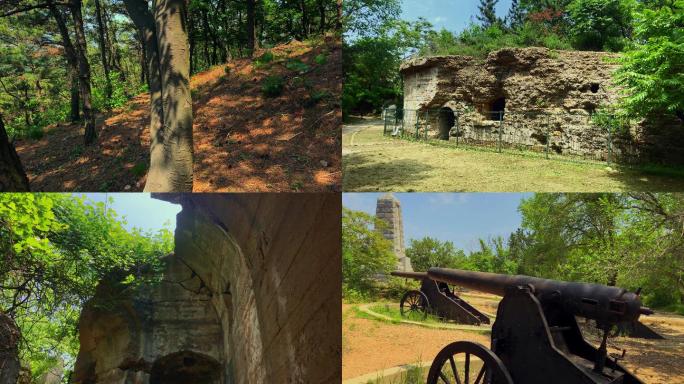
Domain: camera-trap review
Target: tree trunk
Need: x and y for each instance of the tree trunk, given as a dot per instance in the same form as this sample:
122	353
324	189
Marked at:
171	151
103	49
251	27
12	178
75	97
305	19
321	15
338	25
84	72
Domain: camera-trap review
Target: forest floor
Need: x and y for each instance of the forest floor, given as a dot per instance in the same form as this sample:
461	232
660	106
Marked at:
370	345
373	162
243	140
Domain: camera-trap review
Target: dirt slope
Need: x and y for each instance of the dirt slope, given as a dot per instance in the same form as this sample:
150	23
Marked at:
244	141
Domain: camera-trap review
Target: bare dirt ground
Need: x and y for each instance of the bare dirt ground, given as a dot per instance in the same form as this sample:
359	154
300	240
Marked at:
373	162
370	345
243	141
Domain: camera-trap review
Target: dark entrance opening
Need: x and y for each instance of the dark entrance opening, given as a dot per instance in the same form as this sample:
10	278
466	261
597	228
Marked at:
185	367
497	108
446	121
594	87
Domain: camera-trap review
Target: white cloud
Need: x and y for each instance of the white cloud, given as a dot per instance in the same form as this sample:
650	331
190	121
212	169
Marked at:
442	199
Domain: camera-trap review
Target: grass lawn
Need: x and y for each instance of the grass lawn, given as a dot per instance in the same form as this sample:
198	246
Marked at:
373	162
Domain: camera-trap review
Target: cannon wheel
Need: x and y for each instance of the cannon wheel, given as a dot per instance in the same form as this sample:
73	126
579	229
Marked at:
414	303
455	364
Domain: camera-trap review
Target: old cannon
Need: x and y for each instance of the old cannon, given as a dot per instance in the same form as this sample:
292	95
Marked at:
536	338
437	298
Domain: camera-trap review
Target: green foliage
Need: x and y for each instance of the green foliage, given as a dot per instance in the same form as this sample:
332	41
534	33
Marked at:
600	24
297	66
429	252
272	86
321	59
651	73
487	16
54	249
120	95
139	169
623	240
266	58
365	254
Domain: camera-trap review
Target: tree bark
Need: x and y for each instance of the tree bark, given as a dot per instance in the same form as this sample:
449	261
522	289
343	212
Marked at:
338	25
305	19
166	42
12	178
84	72
321	15
75	97
251	27
103	49
78	63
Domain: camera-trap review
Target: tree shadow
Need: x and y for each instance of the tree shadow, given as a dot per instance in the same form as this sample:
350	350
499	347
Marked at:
243	141
363	174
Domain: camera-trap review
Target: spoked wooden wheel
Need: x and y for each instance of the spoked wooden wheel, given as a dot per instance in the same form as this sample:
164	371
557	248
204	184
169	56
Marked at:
414	305
464	362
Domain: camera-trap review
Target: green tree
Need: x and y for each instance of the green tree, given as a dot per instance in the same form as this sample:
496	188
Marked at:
652	71
430	252
54	250
487	15
365	253
600	24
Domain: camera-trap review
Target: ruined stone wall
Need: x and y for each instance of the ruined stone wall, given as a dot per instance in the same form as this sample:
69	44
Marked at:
546	96
251	295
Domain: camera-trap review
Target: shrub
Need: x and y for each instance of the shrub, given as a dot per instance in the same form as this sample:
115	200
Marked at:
264	59
139	169
321	59
297	66
35	133
273	86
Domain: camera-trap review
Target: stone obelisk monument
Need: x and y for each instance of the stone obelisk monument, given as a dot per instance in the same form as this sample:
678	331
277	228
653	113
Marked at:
388	209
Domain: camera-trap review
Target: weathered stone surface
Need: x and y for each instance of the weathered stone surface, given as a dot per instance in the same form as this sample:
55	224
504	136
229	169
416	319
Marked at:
388	209
251	295
544	95
9	353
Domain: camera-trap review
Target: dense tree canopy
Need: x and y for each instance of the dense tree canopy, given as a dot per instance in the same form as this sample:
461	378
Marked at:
54	249
365	253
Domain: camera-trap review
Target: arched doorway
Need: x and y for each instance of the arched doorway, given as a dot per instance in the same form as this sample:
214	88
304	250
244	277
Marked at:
446	121
185	367
497	108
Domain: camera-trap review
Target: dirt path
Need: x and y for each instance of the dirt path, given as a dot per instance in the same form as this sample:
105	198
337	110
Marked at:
370	345
373	162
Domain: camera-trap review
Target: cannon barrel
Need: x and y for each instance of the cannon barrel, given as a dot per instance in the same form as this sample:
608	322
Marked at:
607	305
410	275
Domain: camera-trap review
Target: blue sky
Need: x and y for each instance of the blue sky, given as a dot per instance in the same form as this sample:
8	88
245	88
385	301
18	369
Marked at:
453	15
140	209
462	218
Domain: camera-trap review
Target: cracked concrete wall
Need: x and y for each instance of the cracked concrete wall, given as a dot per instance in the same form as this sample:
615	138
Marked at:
262	276
547	94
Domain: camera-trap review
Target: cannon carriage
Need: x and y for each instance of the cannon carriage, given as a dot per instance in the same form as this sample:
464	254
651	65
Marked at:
536	338
439	299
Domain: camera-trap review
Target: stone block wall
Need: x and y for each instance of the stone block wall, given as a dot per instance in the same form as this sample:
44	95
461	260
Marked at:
251	295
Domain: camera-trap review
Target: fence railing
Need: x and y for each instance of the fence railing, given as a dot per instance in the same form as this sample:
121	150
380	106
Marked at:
595	137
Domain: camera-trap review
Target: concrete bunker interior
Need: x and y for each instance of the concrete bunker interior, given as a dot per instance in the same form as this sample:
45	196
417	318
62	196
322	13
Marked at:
250	295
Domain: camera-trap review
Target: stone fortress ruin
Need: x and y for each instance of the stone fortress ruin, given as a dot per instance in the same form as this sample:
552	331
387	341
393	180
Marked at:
535	99
251	295
388	209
